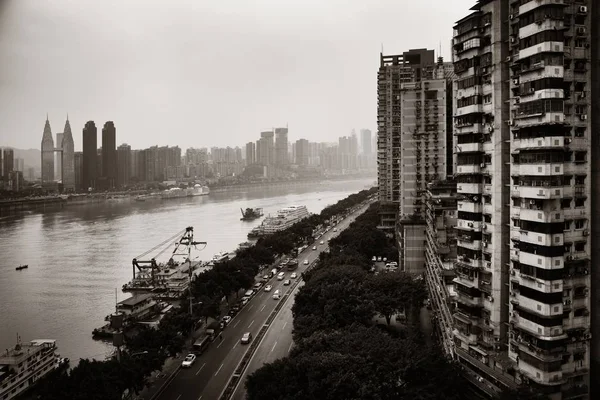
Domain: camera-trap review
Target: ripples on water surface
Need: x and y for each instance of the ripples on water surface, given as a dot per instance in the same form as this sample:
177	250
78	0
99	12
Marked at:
79	255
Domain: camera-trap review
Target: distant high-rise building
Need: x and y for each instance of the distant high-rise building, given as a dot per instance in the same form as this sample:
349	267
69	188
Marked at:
58	157
68	160
250	153
281	146
109	154
19	165
365	141
302	152
123	164
47	155
90	156
8	163
267	148
78	170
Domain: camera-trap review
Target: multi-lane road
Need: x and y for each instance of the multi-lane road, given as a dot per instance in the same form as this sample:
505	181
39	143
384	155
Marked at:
209	375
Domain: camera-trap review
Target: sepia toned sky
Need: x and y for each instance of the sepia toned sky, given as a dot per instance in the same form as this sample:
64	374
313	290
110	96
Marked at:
201	73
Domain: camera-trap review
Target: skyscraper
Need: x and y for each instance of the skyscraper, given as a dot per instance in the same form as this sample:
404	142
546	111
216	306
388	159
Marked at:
68	159
90	156
47	155
123	161
8	163
281	146
109	154
302	152
527	158
78	170
267	148
58	157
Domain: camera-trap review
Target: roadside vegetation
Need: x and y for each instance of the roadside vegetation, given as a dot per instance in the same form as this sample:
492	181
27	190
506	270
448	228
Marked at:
147	351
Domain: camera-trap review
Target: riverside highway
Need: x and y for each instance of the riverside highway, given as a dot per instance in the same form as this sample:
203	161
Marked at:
209	375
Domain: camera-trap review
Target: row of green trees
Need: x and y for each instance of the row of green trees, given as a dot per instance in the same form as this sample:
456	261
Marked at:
148	349
340	352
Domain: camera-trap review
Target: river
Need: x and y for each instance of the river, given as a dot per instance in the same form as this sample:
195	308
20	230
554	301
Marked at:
78	256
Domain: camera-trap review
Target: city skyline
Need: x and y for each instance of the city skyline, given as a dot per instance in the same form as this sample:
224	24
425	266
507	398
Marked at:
191	94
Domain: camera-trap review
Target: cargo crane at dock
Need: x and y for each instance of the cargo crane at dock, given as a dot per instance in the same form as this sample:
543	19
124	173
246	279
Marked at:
152	276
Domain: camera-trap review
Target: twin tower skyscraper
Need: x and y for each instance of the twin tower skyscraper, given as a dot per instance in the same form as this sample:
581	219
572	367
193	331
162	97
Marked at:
66	150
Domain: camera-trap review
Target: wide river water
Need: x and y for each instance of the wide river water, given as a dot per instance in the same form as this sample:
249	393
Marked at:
78	256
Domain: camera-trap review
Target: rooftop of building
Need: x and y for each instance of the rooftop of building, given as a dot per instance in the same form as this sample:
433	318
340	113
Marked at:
135	299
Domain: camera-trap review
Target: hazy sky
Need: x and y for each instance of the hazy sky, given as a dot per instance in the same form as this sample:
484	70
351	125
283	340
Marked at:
204	73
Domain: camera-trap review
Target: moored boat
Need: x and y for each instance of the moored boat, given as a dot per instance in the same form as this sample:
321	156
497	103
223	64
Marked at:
20	267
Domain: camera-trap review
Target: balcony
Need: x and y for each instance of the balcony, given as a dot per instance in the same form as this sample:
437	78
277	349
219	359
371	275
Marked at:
469	147
545	25
542	332
469	207
472	109
557	47
541	261
547	310
468	225
514	254
532	5
540	215
546	169
469	300
539	143
534	283
541	238
554	354
536	192
539	376
468	243
540	119
469	188
468	169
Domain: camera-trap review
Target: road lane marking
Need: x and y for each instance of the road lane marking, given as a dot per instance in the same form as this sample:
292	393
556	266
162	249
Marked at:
250	307
237	322
200	398
200	368
234	345
290	348
219	345
263	307
251	324
284	324
273	348
178	397
218	369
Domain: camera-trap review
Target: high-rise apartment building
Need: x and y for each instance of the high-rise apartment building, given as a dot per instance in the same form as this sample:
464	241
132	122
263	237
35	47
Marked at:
526	232
8	163
267	148
58	157
281	146
89	173
302	152
365	141
47	155
411	66
109	154
123	165
250	153
68	160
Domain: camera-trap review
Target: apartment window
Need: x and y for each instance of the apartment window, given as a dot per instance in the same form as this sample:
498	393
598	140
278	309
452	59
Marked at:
580	43
579	203
580	109
568	247
580	156
579	132
580	246
487	99
580	179
579	223
567	225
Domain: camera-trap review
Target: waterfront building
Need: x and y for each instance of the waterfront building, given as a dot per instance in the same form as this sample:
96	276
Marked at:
527	194
68	159
58	157
24	364
8	163
267	148
47	155
109	155
281	146
90	156
123	165
440	257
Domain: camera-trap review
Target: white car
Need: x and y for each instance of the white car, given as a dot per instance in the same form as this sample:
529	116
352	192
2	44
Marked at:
226	319
305	262
314	247
268	288
322	242
246	338
287	282
276	295
294	275
188	361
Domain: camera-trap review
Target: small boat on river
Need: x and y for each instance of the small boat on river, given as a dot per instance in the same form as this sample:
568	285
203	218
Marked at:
20	267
